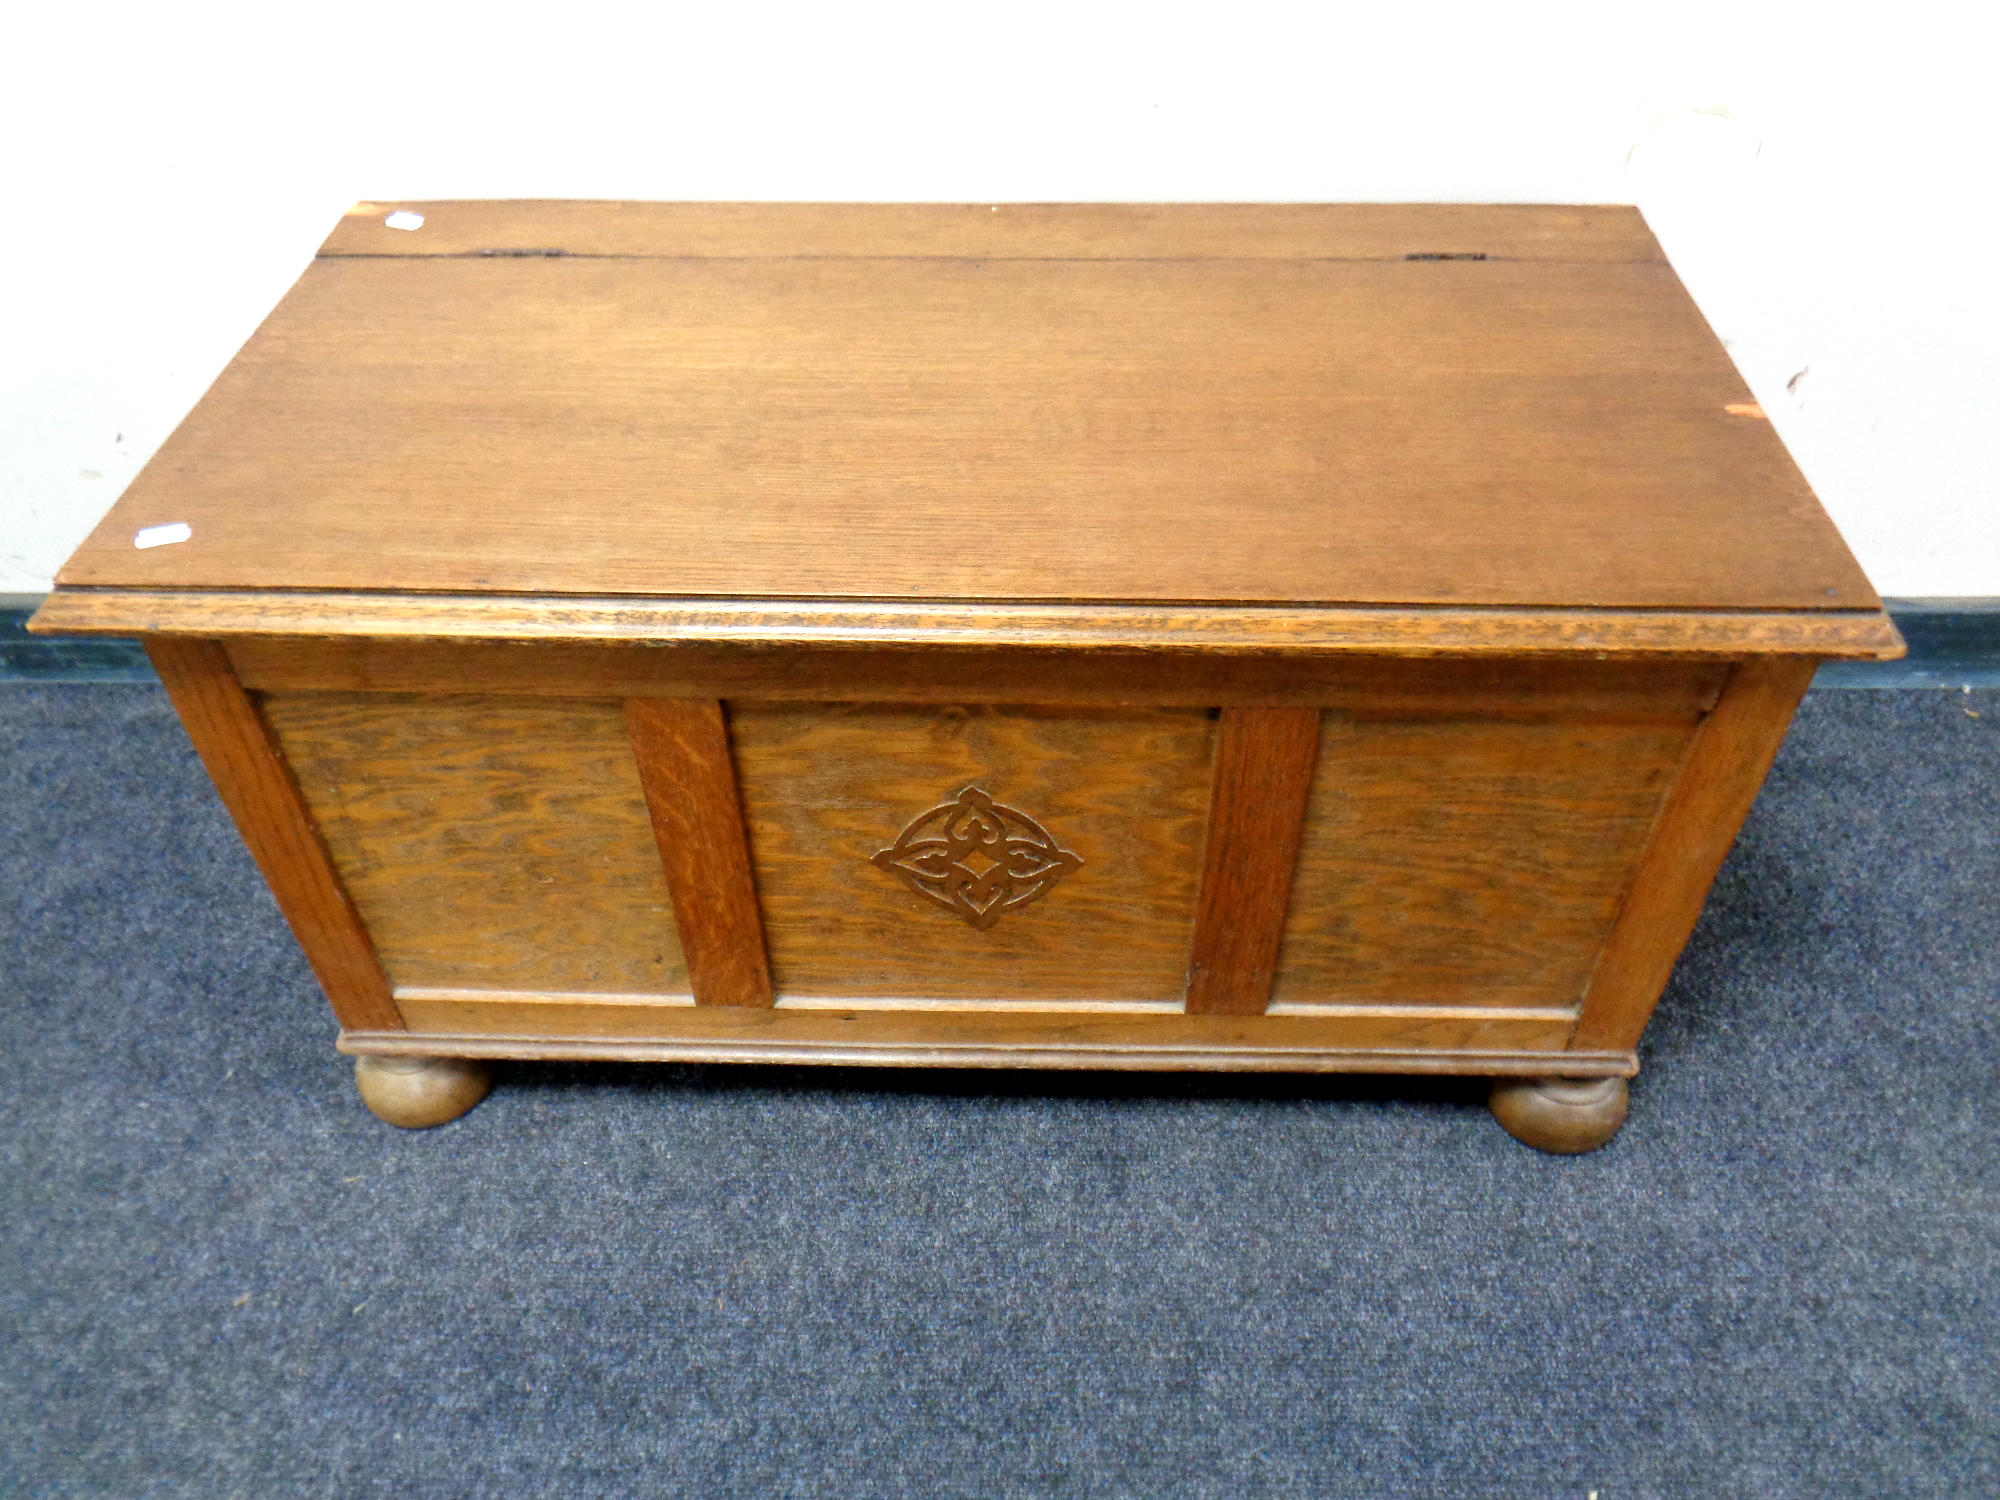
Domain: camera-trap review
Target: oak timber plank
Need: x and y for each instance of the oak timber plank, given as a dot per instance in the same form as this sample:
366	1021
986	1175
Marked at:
1725	765
1137	1056
1454	434
258	788
682	747
1034	231
1263	772
1103	1033
1225	632
1491	687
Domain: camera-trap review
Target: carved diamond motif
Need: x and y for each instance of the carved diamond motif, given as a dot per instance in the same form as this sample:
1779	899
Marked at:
977	859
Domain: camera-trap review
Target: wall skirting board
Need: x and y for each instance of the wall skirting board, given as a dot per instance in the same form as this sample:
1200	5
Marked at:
1954	643
44	658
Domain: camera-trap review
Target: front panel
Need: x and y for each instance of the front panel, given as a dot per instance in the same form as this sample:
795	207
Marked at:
489	842
829	787
1451	861
923	870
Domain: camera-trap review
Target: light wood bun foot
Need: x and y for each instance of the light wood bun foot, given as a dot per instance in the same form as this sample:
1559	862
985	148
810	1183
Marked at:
1564	1115
418	1092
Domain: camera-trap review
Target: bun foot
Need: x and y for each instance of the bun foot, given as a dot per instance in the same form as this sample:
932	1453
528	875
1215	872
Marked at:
419	1092
1565	1115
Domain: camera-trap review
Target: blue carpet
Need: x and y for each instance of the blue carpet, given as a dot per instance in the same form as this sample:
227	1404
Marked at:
224	1278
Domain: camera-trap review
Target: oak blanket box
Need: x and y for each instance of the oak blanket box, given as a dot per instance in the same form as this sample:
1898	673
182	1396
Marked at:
1288	637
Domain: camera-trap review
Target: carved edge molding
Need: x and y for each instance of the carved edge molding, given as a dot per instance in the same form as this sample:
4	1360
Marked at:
1323	629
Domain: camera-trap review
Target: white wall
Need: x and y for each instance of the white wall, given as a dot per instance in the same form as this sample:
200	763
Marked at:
1820	174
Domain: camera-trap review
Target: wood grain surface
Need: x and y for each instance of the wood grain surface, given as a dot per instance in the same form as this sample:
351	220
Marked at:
1487	687
1263	772
1100	1034
1459	861
1034	231
1725	766
1233	1057
1231	632
826	786
489	841
1519	433
263	796
681	747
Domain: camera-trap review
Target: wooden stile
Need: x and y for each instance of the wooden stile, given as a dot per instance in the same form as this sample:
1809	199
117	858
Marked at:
1725	765
1263	775
258	788
682	746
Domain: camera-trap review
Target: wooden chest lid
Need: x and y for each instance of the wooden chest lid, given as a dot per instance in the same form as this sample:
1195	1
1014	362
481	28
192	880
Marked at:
1310	406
